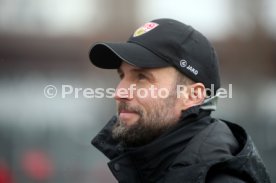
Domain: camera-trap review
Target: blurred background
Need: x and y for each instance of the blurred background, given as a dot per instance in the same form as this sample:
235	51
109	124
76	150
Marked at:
47	43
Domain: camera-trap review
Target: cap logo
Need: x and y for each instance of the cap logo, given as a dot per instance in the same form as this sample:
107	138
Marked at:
184	64
145	28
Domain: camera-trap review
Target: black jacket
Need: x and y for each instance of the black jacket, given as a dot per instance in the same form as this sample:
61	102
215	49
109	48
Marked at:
199	149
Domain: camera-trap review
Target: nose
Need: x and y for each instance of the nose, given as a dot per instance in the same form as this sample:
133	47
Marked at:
123	91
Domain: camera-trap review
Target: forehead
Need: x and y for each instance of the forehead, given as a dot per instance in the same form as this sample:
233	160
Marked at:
127	68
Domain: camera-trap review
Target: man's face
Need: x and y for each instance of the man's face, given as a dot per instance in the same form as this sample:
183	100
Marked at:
144	113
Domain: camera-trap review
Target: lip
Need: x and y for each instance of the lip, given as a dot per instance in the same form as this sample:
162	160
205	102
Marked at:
126	111
127	116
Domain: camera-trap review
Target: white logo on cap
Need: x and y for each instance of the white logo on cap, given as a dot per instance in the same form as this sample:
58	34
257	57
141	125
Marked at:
184	64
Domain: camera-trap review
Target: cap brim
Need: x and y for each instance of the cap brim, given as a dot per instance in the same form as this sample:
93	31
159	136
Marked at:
111	55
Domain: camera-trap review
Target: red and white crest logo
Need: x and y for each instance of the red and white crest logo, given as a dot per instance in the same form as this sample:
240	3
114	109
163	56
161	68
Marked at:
145	28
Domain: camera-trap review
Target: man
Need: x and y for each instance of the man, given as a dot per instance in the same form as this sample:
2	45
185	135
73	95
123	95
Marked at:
171	138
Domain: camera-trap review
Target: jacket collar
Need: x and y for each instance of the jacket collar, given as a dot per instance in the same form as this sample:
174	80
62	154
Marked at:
158	153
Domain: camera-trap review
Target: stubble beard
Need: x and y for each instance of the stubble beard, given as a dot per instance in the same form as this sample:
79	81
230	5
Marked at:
151	124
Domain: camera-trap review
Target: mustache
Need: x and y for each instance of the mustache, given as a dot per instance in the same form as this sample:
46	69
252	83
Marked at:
127	107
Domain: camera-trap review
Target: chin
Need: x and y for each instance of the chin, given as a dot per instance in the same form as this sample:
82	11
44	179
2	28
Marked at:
129	122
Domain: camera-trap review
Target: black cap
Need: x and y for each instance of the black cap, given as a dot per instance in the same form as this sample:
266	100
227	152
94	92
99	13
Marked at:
163	43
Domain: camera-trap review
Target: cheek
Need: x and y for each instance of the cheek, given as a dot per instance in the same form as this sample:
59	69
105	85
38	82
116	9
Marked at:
150	93
153	96
148	99
177	107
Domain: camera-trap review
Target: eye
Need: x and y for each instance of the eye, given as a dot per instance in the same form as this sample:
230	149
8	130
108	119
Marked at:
141	76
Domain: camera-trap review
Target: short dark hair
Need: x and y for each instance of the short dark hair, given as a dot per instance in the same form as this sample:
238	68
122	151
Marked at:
181	79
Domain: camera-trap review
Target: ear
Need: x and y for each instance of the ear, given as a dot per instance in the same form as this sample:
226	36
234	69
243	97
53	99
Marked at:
195	95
